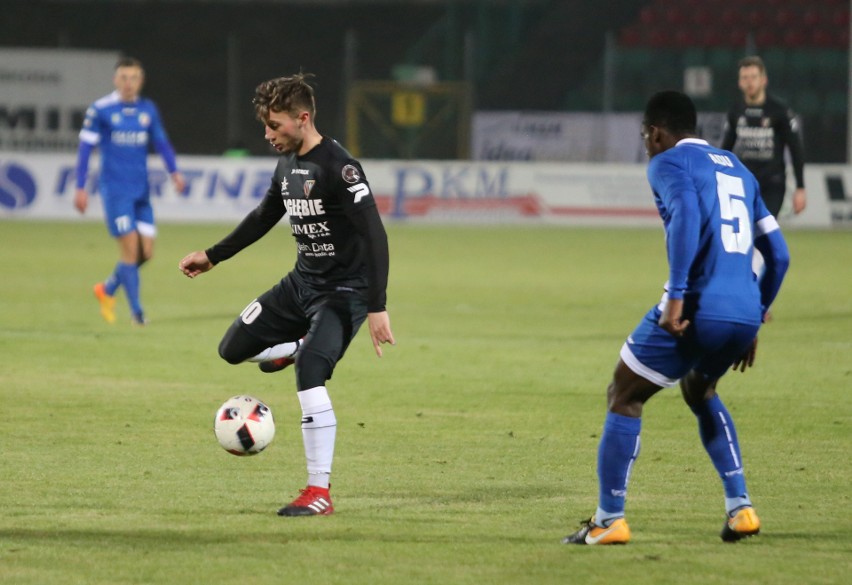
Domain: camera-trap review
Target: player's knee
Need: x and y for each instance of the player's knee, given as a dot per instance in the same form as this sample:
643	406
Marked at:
228	352
697	388
312	368
144	257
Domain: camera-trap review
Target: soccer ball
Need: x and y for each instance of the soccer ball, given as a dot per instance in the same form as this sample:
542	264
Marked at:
244	426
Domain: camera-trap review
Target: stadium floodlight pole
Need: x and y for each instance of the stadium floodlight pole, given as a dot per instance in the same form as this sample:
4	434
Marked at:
234	131
350	74
608	72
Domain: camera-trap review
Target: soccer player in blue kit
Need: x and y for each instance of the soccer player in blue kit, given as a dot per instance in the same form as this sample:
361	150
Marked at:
123	124
707	320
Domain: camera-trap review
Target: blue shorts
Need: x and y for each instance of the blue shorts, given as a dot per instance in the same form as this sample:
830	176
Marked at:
128	214
708	347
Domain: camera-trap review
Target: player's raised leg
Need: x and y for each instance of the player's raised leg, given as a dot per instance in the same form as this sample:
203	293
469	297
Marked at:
276	358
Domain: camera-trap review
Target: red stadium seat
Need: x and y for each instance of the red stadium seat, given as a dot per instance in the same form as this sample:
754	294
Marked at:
766	37
754	17
711	37
630	36
674	16
824	38
702	17
811	17
659	37
795	38
737	37
730	17
785	17
840	18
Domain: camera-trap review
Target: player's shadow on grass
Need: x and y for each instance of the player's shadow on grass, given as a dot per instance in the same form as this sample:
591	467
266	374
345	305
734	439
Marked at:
324	530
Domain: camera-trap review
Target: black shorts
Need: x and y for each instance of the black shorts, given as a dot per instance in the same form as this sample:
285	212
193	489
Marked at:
327	320
772	191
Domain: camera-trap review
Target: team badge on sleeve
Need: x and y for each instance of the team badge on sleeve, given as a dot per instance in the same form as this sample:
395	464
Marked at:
351	174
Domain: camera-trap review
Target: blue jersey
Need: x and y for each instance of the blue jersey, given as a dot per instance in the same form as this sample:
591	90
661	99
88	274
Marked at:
124	132
712	211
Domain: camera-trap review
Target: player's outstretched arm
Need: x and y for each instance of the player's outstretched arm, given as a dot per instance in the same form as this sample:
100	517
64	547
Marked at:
195	263
380	331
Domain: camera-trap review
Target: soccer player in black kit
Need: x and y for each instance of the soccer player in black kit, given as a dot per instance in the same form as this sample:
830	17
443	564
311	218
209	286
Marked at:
758	129
339	280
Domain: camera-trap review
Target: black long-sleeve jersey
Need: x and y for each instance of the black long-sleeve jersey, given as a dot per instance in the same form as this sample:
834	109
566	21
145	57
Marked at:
339	235
758	136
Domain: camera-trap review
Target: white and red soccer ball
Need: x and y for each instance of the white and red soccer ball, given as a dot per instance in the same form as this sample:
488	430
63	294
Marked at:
244	425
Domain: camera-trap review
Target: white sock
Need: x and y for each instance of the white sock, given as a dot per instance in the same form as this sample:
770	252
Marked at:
281	350
319	428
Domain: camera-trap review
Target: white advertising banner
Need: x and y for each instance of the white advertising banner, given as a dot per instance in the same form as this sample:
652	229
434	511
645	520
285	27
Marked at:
569	136
225	189
45	95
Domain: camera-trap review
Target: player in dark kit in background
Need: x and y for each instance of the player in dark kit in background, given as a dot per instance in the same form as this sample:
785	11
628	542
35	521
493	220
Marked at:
339	280
758	129
707	320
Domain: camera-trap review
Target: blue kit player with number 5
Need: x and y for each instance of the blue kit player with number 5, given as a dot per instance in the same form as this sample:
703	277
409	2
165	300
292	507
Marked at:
707	320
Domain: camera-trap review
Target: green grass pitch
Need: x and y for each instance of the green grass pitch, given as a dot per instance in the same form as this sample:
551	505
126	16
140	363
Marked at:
463	455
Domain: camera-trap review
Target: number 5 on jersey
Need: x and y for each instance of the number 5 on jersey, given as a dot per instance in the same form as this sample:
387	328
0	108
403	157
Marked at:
736	222
360	191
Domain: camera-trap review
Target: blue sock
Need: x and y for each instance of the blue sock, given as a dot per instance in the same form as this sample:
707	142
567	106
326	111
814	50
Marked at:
112	283
617	451
719	437
129	275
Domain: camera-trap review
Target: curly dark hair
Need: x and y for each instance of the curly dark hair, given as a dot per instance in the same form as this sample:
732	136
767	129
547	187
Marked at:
671	110
284	94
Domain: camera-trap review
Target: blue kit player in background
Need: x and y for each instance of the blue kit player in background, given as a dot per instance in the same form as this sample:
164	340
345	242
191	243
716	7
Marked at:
708	318
123	125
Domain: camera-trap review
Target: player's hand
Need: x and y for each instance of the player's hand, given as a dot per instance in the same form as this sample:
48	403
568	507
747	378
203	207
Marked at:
747	359
380	331
194	264
81	200
179	182
671	320
800	201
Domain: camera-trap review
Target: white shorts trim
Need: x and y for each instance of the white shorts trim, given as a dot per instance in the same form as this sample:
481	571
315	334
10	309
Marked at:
642	370
149	230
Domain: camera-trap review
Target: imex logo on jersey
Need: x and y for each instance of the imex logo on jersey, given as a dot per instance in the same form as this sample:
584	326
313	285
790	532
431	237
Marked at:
312	230
360	191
